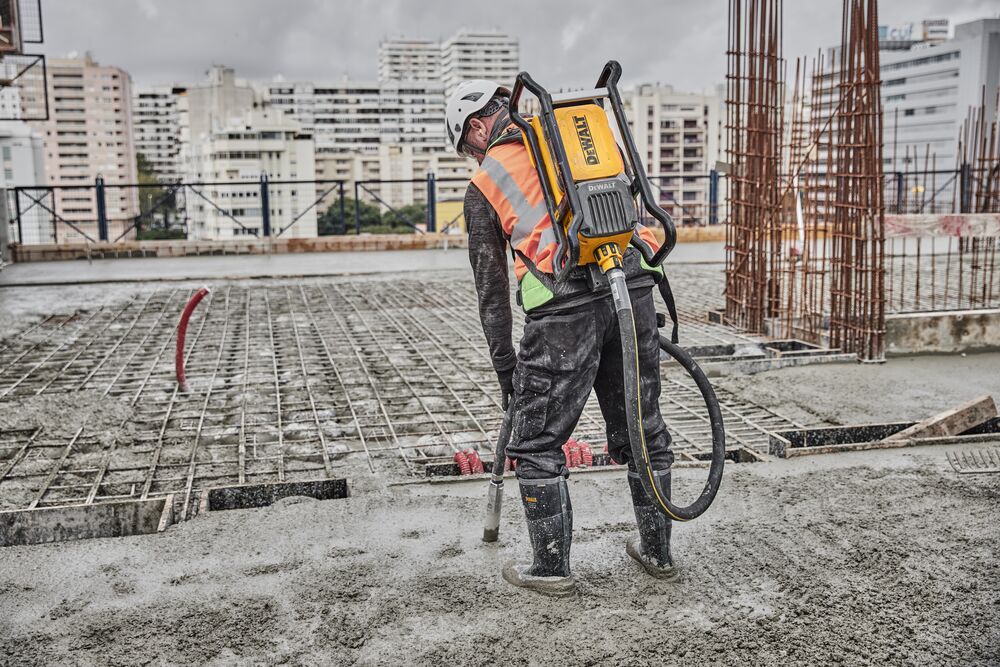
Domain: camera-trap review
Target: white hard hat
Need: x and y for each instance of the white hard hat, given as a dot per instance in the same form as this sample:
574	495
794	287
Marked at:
468	98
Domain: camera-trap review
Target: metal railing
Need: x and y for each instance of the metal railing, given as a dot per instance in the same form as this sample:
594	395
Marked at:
265	208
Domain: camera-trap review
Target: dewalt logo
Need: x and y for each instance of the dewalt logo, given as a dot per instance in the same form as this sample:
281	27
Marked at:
586	139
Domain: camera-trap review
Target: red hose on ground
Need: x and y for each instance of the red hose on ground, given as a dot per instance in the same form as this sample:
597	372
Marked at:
464	468
571	450
475	463
182	334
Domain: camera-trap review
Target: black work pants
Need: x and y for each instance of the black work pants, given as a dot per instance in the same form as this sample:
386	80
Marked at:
563	355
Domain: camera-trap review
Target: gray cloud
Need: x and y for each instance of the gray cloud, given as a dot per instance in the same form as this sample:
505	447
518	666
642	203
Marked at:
562	43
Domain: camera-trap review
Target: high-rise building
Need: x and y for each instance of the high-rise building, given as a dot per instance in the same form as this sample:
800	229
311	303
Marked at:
359	117
403	164
89	134
344	117
409	60
935	30
157	130
22	164
372	131
905	36
679	137
928	90
479	55
217	102
237	154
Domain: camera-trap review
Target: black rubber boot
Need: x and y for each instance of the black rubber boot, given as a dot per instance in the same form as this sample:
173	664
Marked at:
651	548
549	516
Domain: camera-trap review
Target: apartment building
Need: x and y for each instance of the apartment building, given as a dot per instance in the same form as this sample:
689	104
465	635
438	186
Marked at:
479	55
409	60
156	123
928	90
392	130
679	136
89	134
236	154
358	117
22	164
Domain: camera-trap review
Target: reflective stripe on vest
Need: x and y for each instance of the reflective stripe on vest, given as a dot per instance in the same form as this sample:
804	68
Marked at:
528	216
510	183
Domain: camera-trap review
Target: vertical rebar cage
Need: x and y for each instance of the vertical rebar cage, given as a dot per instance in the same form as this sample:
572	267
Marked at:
754	118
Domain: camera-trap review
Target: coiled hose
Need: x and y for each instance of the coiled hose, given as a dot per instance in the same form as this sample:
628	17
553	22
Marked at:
633	412
633	408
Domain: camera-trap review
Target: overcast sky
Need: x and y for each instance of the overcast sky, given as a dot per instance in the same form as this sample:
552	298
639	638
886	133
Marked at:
563	44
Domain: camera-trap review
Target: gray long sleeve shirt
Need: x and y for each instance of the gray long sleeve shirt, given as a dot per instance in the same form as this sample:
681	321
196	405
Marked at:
488	254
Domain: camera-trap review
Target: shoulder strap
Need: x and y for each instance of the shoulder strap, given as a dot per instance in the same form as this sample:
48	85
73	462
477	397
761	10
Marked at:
511	134
668	298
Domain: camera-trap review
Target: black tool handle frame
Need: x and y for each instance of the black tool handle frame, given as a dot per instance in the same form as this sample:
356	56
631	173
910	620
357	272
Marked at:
609	79
567	254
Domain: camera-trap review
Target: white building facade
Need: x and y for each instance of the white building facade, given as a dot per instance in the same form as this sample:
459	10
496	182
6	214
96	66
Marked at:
157	130
237	155
409	60
22	164
479	55
393	130
928	90
679	137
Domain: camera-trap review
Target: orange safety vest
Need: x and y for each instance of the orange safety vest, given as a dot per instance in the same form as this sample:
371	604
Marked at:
510	183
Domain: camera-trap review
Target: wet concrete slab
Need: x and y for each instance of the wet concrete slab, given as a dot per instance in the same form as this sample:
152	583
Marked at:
273	266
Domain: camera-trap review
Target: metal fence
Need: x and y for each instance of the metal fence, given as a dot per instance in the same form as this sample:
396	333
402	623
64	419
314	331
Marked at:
96	212
264	208
938	262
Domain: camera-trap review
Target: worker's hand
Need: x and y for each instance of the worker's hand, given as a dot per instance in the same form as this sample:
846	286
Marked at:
506	379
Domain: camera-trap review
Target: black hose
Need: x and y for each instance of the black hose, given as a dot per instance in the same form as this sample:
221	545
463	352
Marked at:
633	408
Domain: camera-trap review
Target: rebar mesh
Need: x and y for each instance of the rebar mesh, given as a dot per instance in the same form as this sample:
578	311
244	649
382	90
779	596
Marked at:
290	381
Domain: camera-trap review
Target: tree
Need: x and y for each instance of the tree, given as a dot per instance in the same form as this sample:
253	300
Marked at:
329	222
414	214
152	204
373	220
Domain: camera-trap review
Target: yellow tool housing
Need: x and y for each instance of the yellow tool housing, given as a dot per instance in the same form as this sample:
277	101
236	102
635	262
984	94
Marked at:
598	171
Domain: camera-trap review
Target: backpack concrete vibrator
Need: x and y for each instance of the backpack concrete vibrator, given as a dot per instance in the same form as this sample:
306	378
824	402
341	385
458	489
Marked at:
590	193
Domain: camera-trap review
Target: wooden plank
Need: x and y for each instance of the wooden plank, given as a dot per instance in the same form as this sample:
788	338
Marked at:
951	422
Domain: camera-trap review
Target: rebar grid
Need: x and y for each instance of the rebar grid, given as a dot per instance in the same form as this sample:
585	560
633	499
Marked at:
290	381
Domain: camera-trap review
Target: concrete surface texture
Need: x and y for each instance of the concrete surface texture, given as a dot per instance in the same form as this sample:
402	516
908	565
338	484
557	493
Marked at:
902	389
943	332
253	266
869	558
878	557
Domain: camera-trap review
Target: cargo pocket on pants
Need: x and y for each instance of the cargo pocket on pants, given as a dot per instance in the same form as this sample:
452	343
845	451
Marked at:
532	387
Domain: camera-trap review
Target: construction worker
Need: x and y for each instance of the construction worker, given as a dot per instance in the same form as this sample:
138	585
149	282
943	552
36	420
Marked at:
570	344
